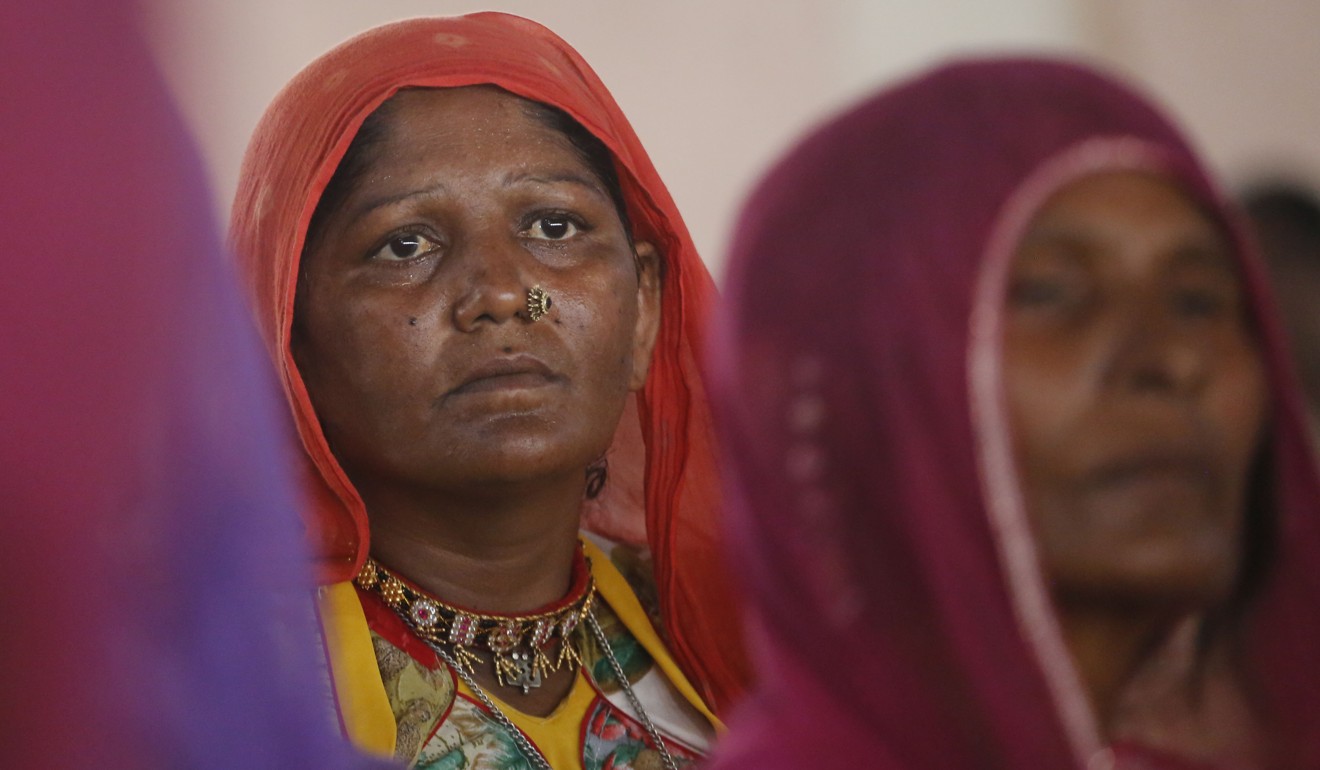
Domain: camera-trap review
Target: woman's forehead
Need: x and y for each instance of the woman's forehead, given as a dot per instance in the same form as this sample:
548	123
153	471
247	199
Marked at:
428	138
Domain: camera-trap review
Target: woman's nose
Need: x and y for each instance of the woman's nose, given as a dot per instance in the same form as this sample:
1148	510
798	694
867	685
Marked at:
492	287
1158	355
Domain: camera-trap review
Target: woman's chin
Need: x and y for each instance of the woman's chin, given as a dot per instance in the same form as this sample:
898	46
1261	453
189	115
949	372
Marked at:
1150	577
517	458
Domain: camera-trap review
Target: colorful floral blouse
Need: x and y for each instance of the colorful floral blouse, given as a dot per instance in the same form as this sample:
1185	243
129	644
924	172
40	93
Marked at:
438	724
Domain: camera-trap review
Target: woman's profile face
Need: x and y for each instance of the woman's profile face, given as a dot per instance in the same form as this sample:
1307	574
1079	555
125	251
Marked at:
1136	392
413	334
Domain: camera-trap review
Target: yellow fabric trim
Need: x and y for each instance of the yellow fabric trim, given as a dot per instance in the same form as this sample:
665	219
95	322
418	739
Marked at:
616	592
557	735
364	708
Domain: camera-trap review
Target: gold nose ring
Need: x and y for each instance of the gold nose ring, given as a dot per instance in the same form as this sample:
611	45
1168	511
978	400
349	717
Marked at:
538	303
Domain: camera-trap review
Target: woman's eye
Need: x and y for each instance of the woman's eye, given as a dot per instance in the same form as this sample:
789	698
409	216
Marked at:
1191	303
404	247
555	227
1039	293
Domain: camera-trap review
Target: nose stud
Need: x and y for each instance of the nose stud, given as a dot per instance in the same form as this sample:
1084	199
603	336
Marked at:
538	303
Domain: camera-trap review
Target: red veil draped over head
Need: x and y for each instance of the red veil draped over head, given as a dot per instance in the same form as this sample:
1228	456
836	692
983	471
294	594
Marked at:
663	489
900	614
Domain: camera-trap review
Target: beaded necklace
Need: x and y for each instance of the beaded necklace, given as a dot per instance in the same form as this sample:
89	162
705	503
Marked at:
519	643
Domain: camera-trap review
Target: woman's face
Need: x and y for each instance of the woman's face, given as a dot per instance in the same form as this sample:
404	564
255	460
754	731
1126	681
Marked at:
412	332
1135	390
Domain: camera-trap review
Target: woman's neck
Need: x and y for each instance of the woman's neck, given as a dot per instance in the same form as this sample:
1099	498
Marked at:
1109	645
505	552
1188	700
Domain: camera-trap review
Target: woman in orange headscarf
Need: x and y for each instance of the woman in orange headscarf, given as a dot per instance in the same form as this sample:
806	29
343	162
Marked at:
480	297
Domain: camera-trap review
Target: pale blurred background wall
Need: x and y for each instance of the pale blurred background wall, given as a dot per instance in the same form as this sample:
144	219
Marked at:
715	88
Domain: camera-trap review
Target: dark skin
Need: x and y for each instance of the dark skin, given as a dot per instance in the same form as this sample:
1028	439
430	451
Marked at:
1138	401
466	427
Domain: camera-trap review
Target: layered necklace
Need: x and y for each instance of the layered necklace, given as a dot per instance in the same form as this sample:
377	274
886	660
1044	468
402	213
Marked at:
522	647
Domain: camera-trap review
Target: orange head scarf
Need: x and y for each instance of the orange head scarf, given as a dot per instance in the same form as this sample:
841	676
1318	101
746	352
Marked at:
663	481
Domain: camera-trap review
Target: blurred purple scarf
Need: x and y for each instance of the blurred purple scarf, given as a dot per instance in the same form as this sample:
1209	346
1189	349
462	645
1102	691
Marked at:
900	617
156	608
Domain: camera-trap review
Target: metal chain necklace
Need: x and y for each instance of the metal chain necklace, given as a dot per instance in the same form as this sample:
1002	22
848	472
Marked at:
628	691
530	752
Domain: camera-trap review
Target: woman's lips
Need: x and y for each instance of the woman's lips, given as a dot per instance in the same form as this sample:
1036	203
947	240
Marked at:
1160	477
1187	464
521	372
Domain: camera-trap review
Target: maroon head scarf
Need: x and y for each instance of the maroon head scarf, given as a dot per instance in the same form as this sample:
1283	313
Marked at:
898	606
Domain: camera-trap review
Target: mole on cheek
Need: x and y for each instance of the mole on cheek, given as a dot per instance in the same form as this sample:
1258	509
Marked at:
412	321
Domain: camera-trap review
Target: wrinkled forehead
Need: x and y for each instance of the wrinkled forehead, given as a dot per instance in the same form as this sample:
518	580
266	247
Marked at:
417	127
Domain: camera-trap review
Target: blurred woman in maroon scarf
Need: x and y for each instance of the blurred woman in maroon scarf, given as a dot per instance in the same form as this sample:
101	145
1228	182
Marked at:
1020	474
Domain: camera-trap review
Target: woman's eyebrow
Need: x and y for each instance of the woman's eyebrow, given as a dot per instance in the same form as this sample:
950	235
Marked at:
1212	252
1062	239
587	181
371	204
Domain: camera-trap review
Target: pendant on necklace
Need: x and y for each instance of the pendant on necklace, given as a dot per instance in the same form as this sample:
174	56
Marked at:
523	673
514	666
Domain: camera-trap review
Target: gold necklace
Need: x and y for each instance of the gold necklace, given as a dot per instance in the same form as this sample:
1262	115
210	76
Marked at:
520	645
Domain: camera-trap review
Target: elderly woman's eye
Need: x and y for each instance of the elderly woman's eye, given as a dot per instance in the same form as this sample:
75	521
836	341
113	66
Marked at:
1204	303
553	227
1040	292
404	247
